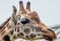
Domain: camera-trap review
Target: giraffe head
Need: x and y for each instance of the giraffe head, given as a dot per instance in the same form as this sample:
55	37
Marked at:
26	18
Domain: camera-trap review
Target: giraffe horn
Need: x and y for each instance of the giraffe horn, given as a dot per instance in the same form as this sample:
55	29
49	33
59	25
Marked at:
21	6
28	6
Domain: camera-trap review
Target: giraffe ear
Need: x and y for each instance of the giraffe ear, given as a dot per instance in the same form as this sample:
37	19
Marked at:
14	9
28	6
13	18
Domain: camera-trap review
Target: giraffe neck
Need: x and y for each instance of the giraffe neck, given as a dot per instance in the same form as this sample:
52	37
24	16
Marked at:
6	31
4	28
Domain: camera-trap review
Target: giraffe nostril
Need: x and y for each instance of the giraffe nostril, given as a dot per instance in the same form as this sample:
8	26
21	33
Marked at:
25	21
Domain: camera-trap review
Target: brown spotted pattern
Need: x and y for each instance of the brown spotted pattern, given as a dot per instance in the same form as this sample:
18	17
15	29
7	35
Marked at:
25	24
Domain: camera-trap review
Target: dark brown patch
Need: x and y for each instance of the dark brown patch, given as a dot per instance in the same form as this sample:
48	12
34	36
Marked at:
14	37
38	29
6	38
18	35
27	36
11	32
27	30
21	34
32	35
15	28
18	29
9	27
38	34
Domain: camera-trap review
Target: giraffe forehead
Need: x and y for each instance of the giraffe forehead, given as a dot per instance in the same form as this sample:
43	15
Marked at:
28	14
23	12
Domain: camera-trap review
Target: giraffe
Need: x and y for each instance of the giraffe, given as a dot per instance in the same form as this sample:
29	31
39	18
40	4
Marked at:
25	24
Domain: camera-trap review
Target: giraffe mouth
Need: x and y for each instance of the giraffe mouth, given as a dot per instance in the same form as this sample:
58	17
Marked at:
48	38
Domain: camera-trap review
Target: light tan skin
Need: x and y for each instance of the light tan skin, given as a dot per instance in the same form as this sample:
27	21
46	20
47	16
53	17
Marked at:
15	23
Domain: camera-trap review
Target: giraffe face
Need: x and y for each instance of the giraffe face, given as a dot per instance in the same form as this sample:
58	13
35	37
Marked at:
29	21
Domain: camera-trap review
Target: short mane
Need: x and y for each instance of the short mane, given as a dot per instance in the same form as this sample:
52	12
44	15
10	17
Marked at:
3	24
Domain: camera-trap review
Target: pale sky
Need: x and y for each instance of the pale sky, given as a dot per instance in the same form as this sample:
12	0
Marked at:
48	10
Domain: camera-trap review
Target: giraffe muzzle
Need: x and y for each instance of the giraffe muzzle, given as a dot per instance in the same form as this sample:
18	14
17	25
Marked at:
50	35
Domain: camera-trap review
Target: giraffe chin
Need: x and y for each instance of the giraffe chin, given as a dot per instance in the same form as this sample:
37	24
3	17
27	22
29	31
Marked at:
33	40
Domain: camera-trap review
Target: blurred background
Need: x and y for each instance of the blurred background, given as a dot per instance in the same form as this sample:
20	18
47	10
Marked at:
48	11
